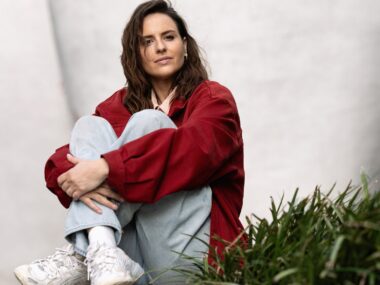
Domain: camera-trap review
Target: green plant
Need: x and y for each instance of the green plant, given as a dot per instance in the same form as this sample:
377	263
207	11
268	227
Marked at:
317	240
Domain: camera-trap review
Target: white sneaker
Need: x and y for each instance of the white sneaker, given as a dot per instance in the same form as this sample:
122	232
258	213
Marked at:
61	268
111	266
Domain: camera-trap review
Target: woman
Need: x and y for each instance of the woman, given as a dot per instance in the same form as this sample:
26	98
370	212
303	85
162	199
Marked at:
157	169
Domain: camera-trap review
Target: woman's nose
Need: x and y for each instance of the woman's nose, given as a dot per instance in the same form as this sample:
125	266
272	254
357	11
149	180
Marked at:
160	46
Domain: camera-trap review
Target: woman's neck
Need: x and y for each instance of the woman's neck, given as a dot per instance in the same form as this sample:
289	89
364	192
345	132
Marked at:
162	89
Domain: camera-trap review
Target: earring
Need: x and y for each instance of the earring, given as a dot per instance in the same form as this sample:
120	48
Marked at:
185	55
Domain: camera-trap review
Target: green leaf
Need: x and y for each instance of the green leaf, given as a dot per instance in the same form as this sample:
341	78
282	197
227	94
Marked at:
334	253
284	274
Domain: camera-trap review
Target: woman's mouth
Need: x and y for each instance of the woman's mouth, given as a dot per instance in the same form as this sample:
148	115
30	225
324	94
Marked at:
163	60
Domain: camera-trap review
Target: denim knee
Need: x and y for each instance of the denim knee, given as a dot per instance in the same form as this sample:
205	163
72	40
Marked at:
151	117
89	121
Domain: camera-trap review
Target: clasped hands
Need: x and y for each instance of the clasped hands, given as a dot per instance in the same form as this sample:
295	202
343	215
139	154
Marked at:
86	182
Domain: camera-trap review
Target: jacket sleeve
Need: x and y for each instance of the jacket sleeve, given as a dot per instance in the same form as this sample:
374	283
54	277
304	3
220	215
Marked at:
55	166
169	160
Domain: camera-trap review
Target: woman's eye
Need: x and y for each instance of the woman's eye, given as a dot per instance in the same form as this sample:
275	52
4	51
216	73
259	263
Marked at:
169	37
148	42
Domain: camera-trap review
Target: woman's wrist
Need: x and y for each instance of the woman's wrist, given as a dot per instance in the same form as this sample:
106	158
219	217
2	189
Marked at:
104	167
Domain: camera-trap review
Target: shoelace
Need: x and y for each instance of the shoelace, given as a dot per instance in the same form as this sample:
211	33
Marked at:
51	264
99	265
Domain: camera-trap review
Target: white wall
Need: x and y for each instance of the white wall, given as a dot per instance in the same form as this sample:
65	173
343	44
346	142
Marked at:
304	75
33	122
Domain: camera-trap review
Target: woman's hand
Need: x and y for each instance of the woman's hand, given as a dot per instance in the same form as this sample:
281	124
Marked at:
85	176
101	195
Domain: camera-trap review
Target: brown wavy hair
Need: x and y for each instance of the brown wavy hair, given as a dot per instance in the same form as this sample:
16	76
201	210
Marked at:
191	74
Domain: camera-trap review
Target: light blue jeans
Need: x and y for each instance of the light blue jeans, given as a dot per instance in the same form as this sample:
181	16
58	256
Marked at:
154	235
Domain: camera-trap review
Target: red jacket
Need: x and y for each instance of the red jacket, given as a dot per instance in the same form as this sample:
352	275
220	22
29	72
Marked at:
206	148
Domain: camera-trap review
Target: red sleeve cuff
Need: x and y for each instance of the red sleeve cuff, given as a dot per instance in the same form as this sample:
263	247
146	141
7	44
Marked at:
64	199
116	175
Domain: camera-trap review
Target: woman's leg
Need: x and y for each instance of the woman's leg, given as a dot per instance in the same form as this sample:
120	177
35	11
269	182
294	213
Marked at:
96	235
152	232
90	137
160	232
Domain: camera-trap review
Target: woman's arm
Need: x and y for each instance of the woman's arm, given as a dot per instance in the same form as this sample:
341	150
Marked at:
58	163
170	160
84	177
54	167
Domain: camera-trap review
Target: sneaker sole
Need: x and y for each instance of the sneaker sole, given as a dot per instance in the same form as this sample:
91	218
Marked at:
19	274
121	282
23	279
19	280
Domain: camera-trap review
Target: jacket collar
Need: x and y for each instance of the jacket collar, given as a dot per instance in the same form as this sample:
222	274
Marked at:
176	106
180	103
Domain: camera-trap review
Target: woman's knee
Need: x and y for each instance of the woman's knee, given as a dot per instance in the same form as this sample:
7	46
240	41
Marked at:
149	115
91	123
151	118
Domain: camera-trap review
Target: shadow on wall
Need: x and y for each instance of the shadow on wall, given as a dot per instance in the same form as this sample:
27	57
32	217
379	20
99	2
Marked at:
87	37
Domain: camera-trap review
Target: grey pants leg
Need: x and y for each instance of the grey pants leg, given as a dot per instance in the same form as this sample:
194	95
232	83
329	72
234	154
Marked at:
154	232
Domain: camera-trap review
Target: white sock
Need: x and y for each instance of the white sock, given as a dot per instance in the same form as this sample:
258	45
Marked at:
102	235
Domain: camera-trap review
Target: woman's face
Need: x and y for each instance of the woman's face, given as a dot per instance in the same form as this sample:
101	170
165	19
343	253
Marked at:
162	49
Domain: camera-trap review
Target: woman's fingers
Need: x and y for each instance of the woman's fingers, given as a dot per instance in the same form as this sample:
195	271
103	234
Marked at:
102	194
72	159
84	177
73	193
105	185
106	191
61	179
64	186
89	203
104	201
76	195
70	191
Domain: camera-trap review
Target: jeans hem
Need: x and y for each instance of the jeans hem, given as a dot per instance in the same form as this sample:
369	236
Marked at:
68	232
